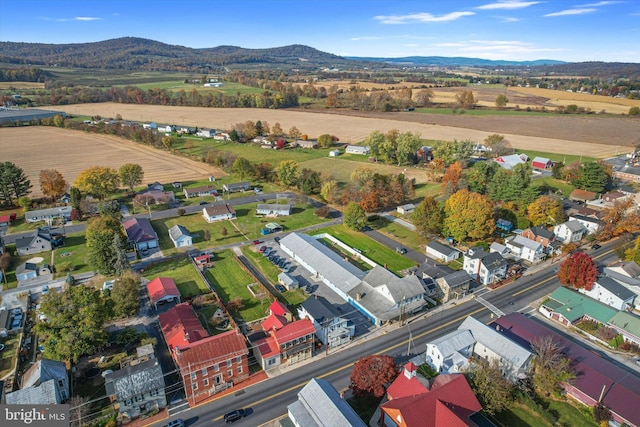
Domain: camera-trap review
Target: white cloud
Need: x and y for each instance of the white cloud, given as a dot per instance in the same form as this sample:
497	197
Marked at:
365	38
508	4
412	45
509	19
600	3
576	11
421	18
496	48
86	18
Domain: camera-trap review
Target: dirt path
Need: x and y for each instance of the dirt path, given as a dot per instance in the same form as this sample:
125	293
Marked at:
595	137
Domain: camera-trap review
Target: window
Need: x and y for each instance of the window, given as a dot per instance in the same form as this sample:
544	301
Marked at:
216	367
230	373
194	386
217	380
206	382
239	369
194	375
229	363
239	359
61	383
154	392
204	372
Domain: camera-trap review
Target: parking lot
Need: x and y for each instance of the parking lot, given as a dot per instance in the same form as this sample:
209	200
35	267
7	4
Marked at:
313	286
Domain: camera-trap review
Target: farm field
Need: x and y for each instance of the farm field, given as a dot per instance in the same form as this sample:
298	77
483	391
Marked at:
594	136
69	152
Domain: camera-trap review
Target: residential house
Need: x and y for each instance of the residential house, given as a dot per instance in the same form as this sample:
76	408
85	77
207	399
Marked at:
378	294
40	240
486	268
6	220
567	307
331	328
610	292
45	383
628	173
570	232
206	364
202	191
288	281
260	140
154	197
137	389
540	234
206	133
582	196
450	353
140	233
513	359
286	342
424	154
274	209
525	249
180	236
320	405
541	163
29	270
510	161
156	186
626	268
162	290
592	224
48	215
65	198
309	143
440	252
334	153
166	128
218	212
357	149
613	196
597	379
504	225
454	285
236	187
152	125
406	209
627	325
448	401
221	136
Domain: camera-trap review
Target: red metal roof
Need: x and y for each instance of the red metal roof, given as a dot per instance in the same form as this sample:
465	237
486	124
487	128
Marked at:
211	350
294	330
268	347
139	230
180	326
274	322
408	383
450	402
161	287
278	308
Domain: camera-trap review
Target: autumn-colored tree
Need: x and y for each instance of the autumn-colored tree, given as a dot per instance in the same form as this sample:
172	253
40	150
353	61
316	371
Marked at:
428	216
620	218
325	140
276	130
52	183
5	263
452	176
501	100
468	216
287	172
633	254
578	271
294	133
465	99
498	144
550	366
570	172
98	181
242	167
494	391
545	210
131	174
423	97
329	191
372	374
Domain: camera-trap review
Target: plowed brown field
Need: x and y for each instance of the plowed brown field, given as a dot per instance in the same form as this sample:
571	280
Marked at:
69	152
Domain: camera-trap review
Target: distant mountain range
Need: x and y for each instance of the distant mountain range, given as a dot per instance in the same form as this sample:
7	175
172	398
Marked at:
443	61
132	53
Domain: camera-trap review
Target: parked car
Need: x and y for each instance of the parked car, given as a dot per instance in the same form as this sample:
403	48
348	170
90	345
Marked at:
202	203
262	249
596	246
175	423
267	251
234	416
282	262
256	242
280	288
275	260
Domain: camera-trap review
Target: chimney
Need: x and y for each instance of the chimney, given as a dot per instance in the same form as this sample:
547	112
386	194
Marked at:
186	336
177	350
410	370
358	296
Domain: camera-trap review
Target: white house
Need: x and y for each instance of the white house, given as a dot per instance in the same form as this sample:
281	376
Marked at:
441	252
357	149
48	214
450	353
510	161
331	328
610	292
221	136
180	236
273	209
591	224
206	133
570	231
406	209
525	249
486	268
221	212
514	360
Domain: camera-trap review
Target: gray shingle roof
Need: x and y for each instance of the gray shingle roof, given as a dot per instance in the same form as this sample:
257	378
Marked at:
454	342
440	248
44	394
493	261
319	308
44	370
320	405
498	343
135	380
615	288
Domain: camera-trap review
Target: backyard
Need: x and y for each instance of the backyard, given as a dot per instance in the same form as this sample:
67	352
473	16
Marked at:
72	253
183	272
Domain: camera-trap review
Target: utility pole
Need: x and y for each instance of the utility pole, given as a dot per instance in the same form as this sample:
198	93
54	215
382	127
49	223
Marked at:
326	336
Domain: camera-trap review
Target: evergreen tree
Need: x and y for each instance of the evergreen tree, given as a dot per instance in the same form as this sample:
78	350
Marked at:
13	183
120	263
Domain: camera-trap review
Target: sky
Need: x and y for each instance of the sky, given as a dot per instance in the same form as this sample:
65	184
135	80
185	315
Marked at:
567	30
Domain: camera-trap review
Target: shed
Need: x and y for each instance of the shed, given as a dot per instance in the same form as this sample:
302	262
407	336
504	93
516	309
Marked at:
180	236
406	209
541	163
163	289
441	252
287	281
334	153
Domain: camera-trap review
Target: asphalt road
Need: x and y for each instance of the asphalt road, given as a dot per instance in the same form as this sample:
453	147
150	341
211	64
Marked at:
269	399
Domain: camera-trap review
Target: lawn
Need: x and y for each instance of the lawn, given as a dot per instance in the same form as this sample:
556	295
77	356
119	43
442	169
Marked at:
73	251
566	158
370	248
408	238
525	413
9	354
547	183
182	272
230	281
12	282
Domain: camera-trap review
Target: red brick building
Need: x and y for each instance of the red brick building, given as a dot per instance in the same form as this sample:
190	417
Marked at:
207	364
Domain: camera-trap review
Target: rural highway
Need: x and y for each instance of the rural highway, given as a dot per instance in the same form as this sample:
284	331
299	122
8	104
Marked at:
268	400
